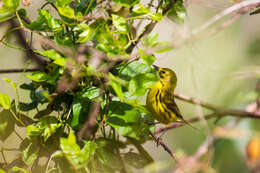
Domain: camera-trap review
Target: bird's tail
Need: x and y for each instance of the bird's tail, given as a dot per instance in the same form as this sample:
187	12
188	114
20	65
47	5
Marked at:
189	124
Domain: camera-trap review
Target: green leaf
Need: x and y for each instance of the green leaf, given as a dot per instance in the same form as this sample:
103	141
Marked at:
9	5
67	12
28	86
116	84
140	11
136	160
45	21
63	3
30	154
8	9
127	3
133	69
52	54
28	106
128	121
6	16
50	21
13	84
2	171
89	149
77	157
46	127
150	40
20	170
107	153
156	16
5	101
140	83
120	23
80	110
41	76
178	12
85	32
91	93
86	6
33	130
7	123
63	39
149	59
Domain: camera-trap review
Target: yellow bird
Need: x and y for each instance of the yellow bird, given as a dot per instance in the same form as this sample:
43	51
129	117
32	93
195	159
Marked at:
160	99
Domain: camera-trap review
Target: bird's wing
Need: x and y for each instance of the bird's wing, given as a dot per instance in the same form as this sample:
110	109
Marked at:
171	105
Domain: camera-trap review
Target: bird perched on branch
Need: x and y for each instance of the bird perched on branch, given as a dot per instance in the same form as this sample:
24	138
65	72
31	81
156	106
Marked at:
160	99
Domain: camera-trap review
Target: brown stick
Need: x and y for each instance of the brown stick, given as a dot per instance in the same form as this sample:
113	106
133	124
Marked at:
85	131
179	124
219	110
19	70
165	147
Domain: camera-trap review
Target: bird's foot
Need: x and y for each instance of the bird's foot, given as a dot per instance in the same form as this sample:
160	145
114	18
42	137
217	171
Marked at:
153	123
158	140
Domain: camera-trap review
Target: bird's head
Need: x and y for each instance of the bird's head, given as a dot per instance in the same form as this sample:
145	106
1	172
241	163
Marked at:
167	76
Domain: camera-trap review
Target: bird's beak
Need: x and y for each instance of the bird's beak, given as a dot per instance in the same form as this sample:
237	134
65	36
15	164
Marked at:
156	67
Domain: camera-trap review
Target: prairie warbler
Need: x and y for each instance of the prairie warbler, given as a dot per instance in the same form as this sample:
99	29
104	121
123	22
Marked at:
160	99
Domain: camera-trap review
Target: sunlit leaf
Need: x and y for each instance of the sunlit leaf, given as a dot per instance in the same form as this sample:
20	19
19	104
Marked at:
77	157
116	85
13	84
5	101
7	123
136	160
127	3
85	32
140	83
120	23
52	54
149	59
30	154
20	170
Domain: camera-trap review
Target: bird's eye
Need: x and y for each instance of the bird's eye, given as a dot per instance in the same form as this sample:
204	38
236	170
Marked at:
163	72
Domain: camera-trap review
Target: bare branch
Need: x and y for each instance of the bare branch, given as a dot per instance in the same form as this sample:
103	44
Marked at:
19	70
249	4
165	147
203	149
219	110
85	131
180	124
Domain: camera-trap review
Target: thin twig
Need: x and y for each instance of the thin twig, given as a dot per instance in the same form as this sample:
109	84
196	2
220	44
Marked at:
148	28
165	147
19	70
22	41
236	7
219	110
85	131
180	124
193	159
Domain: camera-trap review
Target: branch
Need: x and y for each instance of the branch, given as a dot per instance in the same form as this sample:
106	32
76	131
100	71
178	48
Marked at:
218	113
86	130
22	40
165	147
203	149
19	70
243	4
180	124
219	110
148	28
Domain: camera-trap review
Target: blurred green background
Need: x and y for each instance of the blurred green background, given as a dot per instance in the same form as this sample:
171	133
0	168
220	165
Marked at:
208	68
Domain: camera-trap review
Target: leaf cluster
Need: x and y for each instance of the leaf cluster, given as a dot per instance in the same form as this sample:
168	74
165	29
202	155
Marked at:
87	62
